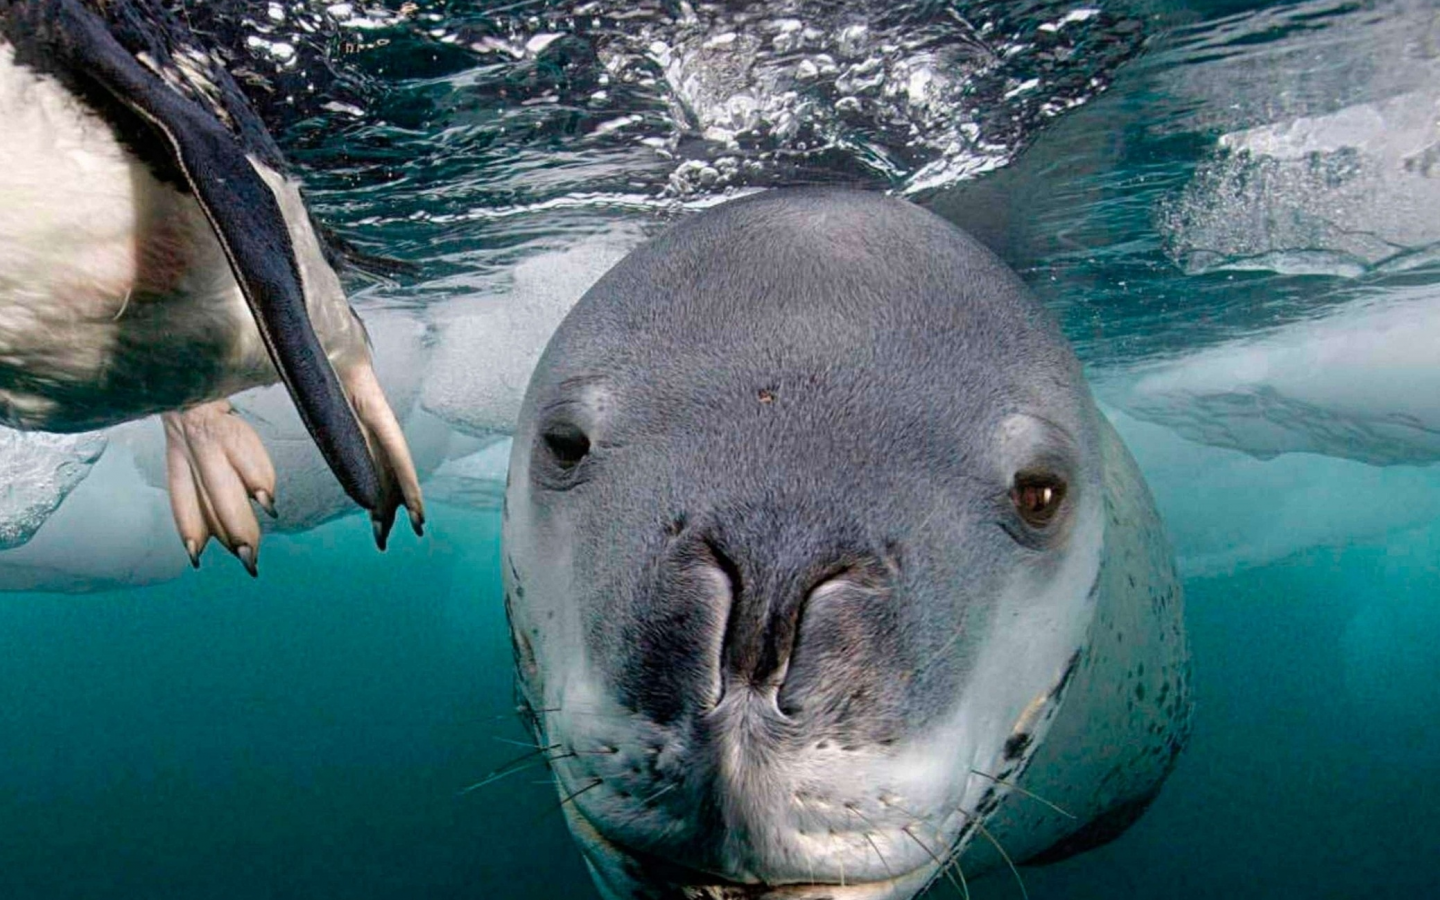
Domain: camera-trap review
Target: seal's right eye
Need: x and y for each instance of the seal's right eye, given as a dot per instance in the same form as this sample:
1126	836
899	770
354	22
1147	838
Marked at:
1037	497
566	444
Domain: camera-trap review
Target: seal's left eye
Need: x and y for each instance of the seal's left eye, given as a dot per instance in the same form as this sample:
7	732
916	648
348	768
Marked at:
1037	497
567	444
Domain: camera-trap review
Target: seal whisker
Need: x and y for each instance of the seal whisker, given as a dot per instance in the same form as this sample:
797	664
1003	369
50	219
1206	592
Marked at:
519	764
941	868
1005	856
1018	789
516	743
959	870
876	847
952	856
580	711
660	793
871	840
570	797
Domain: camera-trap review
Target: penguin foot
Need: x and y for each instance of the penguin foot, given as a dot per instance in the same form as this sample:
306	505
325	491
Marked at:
216	464
398	482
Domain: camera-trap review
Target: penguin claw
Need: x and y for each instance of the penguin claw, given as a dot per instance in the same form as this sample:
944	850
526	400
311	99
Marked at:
399	483
246	555
215	463
380	526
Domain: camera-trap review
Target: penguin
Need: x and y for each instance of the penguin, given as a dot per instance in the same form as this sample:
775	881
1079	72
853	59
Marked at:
157	257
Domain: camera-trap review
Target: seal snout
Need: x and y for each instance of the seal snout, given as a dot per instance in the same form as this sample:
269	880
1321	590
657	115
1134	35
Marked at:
791	616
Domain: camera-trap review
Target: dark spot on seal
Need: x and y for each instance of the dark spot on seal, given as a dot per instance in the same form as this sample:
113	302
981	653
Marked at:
524	656
987	804
894	558
1065	678
1016	744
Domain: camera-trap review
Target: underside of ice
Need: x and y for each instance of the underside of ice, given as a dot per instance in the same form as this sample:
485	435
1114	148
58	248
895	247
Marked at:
116	529
475	480
1337	194
490	342
37	472
1362	384
1226	510
1329	169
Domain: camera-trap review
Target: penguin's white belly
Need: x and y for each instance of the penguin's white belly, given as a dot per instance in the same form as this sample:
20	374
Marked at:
116	298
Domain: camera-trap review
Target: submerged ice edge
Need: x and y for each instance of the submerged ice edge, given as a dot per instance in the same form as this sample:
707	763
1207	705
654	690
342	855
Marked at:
1272	509
37	472
1311	407
1361	383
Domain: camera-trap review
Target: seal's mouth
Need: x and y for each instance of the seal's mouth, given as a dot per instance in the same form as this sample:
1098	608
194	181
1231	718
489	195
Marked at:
623	873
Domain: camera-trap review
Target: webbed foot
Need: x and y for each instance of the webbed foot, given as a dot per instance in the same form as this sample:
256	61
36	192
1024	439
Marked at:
216	464
399	485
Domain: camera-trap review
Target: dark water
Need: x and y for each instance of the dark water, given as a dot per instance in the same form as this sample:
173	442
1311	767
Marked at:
1230	206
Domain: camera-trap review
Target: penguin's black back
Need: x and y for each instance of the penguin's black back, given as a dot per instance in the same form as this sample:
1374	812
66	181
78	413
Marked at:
163	43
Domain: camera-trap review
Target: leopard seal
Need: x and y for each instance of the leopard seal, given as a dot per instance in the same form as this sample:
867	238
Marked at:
825	576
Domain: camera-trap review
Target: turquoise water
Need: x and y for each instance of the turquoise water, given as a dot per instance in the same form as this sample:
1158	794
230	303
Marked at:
1229	206
306	735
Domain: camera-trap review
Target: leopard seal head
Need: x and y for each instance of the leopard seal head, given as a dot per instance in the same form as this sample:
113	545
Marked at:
803	532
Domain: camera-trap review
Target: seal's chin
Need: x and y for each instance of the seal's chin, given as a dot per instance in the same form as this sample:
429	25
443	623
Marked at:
624	874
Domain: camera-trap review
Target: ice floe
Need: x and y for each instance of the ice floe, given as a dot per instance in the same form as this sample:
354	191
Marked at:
476	479
489	343
115	530
1362	383
1225	510
37	472
1330	169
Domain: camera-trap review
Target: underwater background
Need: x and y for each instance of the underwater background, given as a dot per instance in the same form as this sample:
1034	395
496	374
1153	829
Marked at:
1233	208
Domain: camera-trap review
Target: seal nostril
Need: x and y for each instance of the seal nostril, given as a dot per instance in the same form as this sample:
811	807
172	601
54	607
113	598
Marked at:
868	574
834	622
721	562
726	565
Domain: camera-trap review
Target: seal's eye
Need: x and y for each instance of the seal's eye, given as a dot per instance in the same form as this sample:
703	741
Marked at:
1037	497
567	444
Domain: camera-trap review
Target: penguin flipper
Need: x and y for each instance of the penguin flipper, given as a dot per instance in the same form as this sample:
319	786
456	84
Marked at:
245	216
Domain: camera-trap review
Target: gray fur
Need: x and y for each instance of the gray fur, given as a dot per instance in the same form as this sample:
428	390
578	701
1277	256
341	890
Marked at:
786	584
